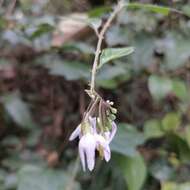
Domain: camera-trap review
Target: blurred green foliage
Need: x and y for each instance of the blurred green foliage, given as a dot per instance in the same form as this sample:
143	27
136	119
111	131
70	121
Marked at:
42	96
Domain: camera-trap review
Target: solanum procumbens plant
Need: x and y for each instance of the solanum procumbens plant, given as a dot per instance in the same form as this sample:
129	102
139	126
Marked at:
97	128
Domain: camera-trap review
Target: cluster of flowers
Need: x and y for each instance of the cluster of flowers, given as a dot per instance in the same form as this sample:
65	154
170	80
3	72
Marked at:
92	139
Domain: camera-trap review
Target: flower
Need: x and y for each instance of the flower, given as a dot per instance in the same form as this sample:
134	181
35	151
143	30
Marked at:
88	144
91	140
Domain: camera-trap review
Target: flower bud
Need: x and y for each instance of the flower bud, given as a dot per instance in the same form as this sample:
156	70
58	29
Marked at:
114	110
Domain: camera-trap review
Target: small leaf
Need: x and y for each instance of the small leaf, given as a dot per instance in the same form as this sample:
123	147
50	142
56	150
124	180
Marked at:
159	86
36	178
154	8
152	129
95	23
111	76
80	47
71	70
41	30
186	10
18	110
161	170
175	186
180	89
126	140
114	53
169	186
171	121
187	135
99	11
134	171
176	49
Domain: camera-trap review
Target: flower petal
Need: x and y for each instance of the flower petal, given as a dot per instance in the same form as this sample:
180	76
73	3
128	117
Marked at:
107	153
87	146
82	158
100	140
90	158
113	131
93	124
75	133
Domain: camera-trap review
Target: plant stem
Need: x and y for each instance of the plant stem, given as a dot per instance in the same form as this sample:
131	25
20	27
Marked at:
119	6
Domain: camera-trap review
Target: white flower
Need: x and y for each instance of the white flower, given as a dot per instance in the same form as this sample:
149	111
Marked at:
92	141
87	146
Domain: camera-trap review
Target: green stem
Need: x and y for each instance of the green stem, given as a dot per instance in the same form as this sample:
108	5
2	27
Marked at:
119	6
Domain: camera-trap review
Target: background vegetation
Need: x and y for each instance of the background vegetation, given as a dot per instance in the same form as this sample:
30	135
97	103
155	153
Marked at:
43	74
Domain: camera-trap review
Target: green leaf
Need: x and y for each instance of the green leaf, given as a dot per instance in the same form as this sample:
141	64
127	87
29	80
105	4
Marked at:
159	86
71	70
186	136
111	76
134	171
18	110
152	129
180	89
99	11
161	170
117	36
171	121
174	186
36	178
180	146
109	54
95	23
186	10
154	8
126	140
176	49
80	47
169	186
41	30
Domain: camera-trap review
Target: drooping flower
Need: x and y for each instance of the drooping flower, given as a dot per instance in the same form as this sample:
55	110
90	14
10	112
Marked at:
92	140
88	144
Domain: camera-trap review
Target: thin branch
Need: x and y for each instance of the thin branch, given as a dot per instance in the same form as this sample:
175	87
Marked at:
11	7
119	6
1	3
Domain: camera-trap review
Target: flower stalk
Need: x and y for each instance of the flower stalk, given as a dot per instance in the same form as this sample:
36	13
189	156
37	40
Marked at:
117	9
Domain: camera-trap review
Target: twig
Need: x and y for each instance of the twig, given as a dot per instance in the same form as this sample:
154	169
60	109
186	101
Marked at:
119	6
1	3
11	7
73	176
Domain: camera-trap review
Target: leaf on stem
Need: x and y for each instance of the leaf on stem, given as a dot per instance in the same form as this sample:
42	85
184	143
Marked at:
109	54
154	8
